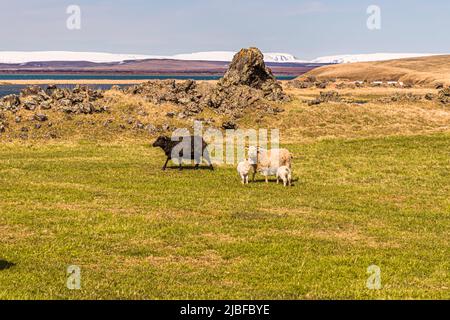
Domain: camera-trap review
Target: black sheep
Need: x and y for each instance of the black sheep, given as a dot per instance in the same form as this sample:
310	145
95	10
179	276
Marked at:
191	143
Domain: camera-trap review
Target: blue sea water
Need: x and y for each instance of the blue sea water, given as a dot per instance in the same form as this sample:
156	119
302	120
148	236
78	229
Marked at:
6	77
6	89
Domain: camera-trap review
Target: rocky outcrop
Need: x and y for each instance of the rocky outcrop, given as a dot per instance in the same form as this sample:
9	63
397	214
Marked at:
187	93
307	82
324	97
10	102
248	84
444	95
248	69
79	100
401	97
3	123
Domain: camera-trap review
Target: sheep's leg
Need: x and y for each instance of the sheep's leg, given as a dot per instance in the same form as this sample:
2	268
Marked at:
165	164
267	179
254	172
180	164
208	160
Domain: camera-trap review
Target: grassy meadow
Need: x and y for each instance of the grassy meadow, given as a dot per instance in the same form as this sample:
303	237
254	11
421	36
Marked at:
139	233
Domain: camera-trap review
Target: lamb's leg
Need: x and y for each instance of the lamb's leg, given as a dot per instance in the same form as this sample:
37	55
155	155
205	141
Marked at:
180	164
278	179
208	159
267	179
165	164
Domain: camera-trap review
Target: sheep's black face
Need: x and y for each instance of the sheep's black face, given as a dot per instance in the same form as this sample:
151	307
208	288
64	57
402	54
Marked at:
161	142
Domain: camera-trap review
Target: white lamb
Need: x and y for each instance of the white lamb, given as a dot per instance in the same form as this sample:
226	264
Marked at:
243	169
285	174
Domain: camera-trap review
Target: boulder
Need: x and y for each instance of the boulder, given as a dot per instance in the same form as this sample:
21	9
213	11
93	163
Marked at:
10	102
229	125
2	122
248	69
40	117
31	91
444	95
247	84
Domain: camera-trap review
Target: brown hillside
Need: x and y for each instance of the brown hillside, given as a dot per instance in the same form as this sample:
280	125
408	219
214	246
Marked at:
421	71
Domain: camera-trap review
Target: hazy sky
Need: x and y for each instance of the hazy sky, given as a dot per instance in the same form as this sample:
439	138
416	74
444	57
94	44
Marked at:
306	29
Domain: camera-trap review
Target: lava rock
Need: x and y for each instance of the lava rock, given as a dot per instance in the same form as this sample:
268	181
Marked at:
229	125
40	117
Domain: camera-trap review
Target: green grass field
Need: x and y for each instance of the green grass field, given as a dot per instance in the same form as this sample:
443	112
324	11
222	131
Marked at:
140	233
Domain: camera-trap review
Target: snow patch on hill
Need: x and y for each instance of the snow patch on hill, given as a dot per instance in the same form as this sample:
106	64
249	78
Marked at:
351	58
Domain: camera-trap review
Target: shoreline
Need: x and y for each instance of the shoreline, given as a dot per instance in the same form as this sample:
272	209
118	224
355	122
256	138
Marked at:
87	81
75	81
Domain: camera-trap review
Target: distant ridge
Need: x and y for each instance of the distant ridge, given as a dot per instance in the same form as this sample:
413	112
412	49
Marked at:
422	71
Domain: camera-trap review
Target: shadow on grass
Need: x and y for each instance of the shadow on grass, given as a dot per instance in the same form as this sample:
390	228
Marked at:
192	168
4	265
274	181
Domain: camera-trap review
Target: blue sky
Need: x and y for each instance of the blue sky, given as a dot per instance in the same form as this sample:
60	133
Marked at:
306	29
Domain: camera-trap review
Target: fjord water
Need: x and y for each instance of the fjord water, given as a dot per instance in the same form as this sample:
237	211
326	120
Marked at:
6	88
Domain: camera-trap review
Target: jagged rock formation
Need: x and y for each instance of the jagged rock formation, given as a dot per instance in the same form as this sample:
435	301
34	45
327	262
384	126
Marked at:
248	83
248	69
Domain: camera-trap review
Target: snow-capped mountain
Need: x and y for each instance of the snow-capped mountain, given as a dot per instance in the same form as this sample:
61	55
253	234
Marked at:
227	56
46	56
350	58
282	58
21	57
18	57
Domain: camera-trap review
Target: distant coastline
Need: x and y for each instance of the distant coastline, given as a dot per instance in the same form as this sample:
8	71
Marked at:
43	79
